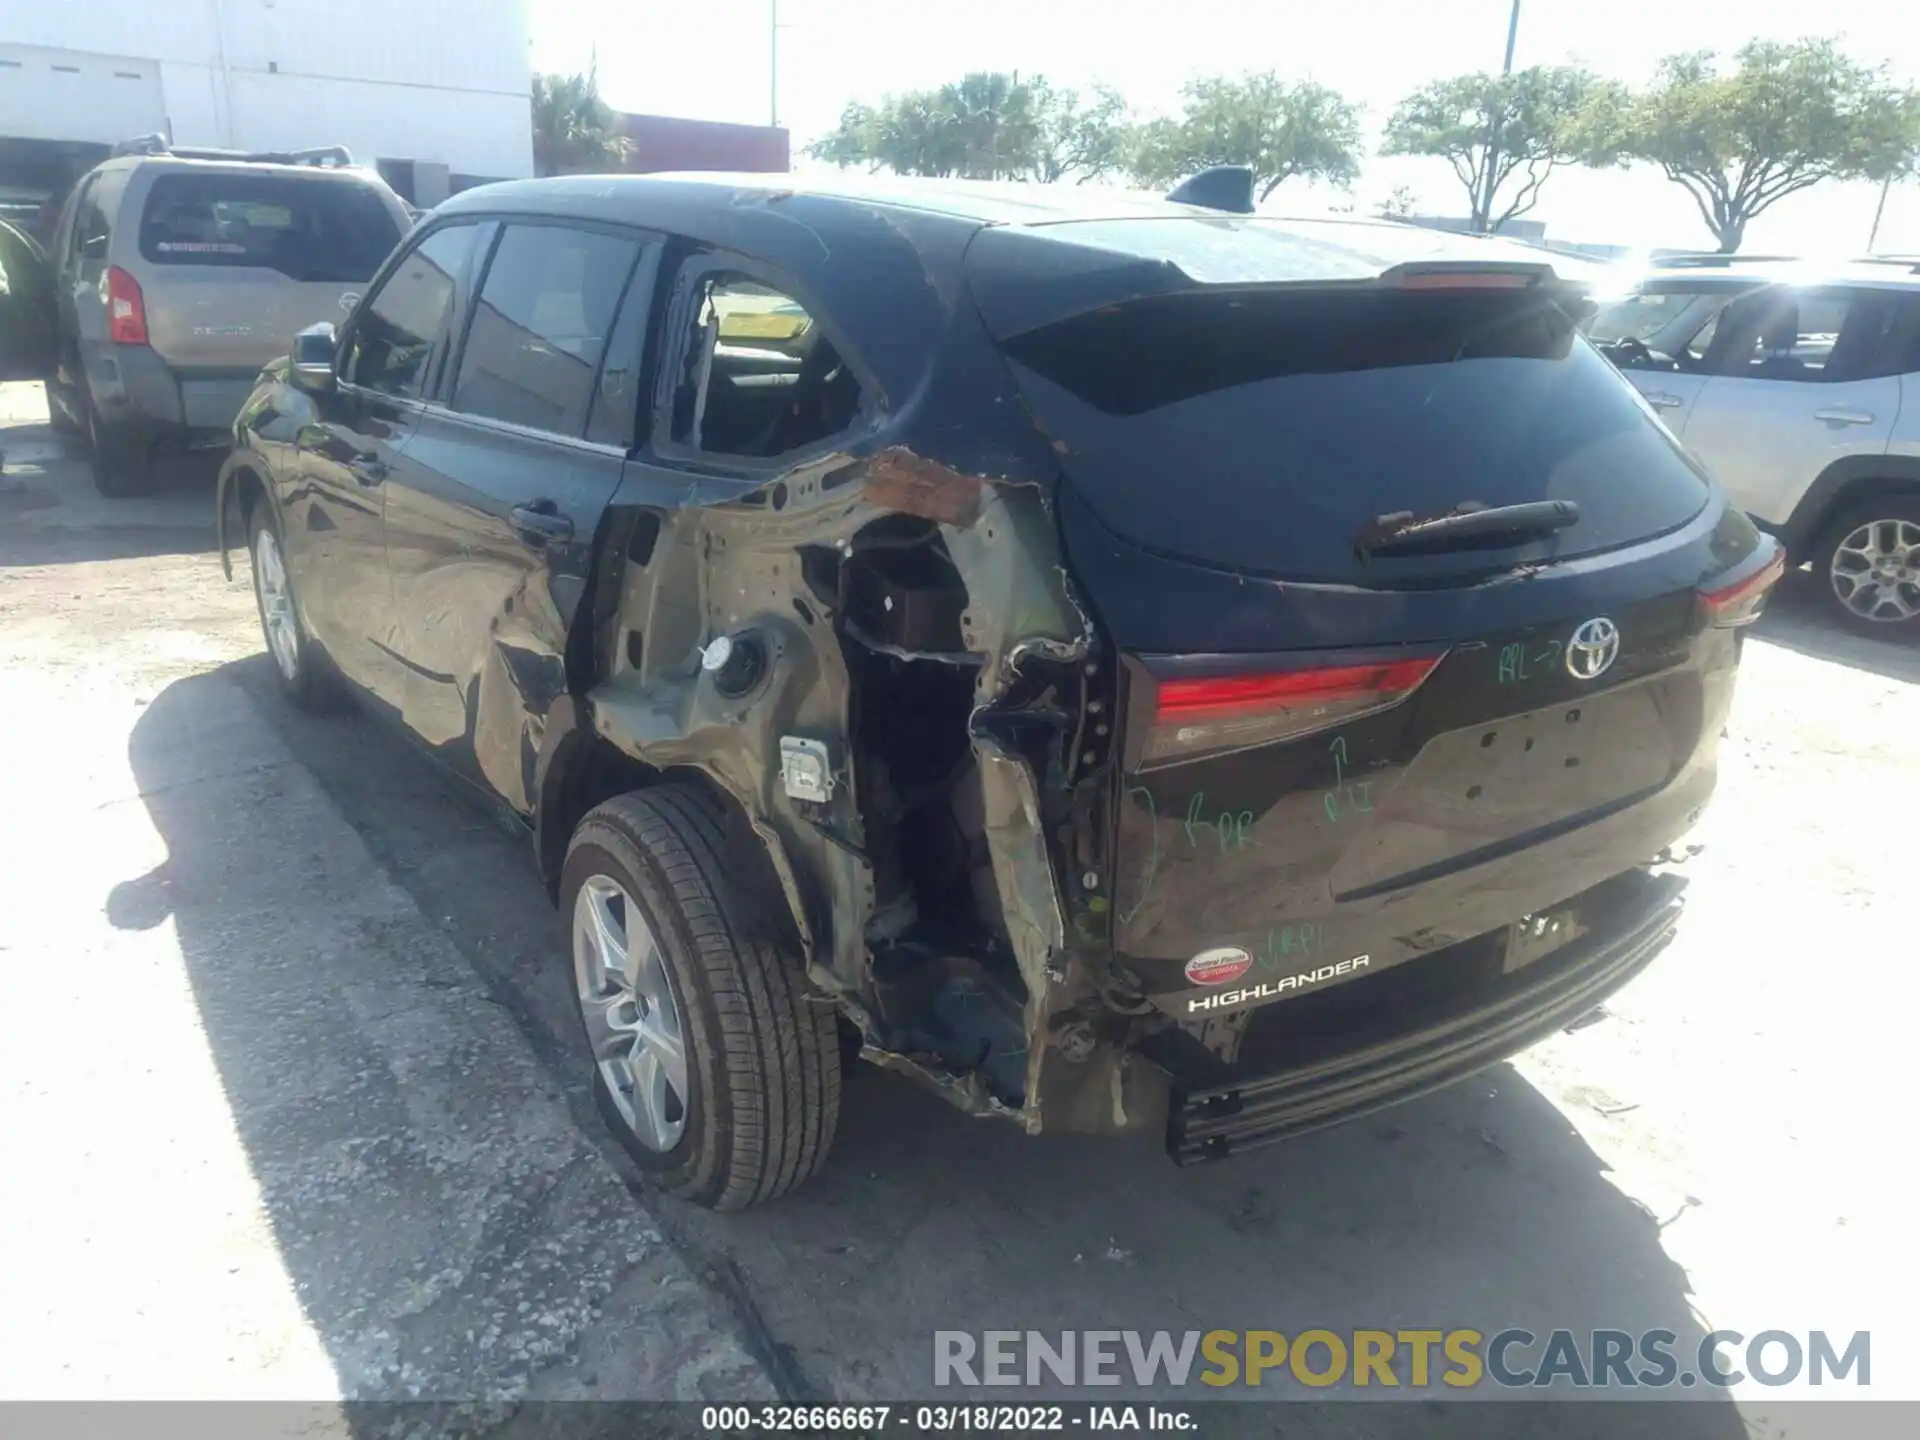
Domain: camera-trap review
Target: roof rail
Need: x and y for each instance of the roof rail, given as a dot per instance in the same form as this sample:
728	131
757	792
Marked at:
1709	260
1224	187
1910	262
157	144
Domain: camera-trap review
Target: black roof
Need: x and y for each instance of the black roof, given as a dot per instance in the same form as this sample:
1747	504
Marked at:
886	258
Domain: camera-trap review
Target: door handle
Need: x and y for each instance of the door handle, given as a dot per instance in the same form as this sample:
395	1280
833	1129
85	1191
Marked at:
540	523
1844	417
1661	400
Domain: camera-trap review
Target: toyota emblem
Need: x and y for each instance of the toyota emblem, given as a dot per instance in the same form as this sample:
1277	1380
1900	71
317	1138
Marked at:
1593	648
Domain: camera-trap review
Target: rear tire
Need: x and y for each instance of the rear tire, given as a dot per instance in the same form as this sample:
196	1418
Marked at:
1868	562
297	663
678	985
121	468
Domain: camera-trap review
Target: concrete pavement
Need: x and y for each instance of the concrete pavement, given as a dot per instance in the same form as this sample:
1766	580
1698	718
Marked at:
268	1134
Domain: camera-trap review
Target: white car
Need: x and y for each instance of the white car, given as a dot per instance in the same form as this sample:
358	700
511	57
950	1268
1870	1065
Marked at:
1798	387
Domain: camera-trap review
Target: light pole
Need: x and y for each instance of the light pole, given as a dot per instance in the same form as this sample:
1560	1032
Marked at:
1499	114
773	63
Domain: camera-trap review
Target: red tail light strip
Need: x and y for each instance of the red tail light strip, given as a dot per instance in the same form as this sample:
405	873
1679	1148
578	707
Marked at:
1232	695
1741	602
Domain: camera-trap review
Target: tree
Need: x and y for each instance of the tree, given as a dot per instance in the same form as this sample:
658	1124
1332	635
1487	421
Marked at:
988	125
573	128
1787	117
1277	128
1083	139
1507	133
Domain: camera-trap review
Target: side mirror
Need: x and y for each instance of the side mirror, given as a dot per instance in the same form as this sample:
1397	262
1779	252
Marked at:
313	352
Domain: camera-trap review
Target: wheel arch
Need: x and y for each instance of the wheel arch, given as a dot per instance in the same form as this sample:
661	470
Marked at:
242	486
580	769
1842	483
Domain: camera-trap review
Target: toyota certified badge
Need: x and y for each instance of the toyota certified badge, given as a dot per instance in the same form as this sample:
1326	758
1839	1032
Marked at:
1217	967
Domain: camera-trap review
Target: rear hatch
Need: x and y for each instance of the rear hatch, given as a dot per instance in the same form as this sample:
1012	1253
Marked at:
1351	735
236	260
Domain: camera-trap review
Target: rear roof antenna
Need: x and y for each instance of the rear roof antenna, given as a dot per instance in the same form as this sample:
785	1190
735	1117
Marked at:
1224	187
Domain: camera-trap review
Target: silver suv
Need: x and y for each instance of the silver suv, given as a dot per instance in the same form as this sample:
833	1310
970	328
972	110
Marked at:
175	275
1798	387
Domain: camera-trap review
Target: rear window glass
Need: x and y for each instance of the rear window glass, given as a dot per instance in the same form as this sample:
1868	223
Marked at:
323	230
1263	431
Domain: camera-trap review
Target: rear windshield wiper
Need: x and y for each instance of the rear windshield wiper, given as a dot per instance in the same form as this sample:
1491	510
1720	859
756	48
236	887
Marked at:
1470	526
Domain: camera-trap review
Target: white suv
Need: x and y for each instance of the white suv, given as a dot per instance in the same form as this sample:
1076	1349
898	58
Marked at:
1799	389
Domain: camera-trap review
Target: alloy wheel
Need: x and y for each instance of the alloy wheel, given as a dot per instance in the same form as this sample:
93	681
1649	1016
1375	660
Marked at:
276	605
633	1025
1875	571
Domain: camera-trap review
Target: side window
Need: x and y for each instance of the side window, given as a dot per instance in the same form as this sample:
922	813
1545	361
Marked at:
616	400
759	377
541	324
1811	336
91	232
1674	324
399	327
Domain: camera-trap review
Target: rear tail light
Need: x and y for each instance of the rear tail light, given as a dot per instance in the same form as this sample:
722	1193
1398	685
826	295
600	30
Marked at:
126	309
1205	715
1739	602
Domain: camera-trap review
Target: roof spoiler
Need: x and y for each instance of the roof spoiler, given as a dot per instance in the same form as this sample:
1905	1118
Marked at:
158	144
1224	187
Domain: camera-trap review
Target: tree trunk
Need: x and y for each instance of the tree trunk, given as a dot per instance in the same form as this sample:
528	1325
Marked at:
1731	234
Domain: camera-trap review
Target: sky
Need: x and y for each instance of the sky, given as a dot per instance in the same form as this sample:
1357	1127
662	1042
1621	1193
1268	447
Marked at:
710	61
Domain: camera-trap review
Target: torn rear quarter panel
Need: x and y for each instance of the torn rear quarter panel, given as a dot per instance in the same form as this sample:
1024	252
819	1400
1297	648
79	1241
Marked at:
924	888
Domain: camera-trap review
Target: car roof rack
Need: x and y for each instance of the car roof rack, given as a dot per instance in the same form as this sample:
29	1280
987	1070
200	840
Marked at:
1711	261
1910	262
159	145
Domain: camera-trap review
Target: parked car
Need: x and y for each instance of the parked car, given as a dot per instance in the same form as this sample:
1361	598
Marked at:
177	274
1125	665
1798	387
26	304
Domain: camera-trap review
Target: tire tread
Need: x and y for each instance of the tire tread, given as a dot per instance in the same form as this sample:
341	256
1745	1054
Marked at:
778	1041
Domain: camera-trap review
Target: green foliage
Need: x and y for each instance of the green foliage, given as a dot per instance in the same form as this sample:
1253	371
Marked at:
1786	117
573	128
989	125
1275	127
1504	135
1082	137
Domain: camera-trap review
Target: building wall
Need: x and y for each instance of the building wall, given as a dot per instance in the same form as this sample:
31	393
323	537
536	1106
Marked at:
436	80
667	142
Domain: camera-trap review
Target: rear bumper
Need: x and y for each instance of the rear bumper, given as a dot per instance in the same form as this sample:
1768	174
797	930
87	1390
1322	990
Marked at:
1430	1049
141	398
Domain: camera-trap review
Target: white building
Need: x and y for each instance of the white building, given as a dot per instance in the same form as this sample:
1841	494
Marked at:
436	91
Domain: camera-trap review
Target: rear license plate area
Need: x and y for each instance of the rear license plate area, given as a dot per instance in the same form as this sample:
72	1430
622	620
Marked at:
1481	789
1533	937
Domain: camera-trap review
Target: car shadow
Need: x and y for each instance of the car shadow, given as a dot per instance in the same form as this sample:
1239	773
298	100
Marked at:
1797	619
50	514
1478	1207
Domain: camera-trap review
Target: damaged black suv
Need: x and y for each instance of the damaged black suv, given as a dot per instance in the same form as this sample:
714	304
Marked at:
1127	664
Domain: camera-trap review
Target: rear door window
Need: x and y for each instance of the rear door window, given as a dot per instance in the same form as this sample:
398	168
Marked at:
310	229
1263	430
1824	336
541	324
